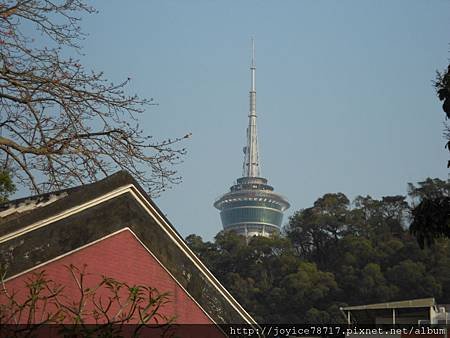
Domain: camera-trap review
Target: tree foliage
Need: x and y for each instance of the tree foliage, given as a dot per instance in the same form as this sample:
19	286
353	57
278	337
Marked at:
442	85
7	186
332	254
431	214
61	124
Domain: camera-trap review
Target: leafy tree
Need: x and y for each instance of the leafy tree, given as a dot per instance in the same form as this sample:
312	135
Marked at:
395	210
438	262
431	216
366	217
332	212
208	252
442	85
413	279
304	233
373	285
7	187
315	231
305	290
431	220
431	188
379	219
61	124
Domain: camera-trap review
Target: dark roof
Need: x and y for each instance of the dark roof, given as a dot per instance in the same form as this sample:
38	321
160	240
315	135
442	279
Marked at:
40	228
19	207
66	198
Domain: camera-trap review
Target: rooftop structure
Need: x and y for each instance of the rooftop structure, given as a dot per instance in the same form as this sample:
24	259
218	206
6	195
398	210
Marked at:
251	207
414	311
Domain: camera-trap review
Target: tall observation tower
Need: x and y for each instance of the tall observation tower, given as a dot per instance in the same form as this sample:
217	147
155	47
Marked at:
251	207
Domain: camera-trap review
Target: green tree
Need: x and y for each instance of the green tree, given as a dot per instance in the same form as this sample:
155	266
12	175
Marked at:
438	262
366	216
413	280
431	188
207	251
306	291
442	85
373	285
332	212
431	213
380	219
7	186
315	231
305	234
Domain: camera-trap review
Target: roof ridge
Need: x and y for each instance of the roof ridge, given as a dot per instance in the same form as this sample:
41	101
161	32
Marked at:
15	208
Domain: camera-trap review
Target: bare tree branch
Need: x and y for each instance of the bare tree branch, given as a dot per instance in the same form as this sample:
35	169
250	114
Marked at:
61	125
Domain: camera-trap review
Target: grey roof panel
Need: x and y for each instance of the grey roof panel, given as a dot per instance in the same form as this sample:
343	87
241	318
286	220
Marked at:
413	303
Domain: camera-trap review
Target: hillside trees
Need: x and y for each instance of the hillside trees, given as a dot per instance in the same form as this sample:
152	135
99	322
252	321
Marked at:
315	231
332	254
61	124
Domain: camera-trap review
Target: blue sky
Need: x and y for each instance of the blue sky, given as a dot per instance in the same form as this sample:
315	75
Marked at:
345	99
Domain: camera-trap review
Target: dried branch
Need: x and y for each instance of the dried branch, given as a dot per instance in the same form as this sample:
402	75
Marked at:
108	303
61	125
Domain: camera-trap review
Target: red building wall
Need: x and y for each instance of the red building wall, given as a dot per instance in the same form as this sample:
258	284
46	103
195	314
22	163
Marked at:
123	258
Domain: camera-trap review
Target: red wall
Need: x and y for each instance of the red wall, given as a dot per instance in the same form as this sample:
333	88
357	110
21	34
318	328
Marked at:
123	258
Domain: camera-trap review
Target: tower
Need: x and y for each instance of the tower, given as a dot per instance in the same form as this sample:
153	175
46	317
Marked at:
251	207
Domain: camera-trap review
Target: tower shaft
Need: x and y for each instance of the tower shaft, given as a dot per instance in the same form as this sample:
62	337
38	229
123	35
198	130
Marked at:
251	166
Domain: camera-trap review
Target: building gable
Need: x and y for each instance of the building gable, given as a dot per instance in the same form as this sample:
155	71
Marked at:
90	213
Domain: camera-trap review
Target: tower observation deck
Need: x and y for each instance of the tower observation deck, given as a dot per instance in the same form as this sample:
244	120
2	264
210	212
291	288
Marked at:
251	207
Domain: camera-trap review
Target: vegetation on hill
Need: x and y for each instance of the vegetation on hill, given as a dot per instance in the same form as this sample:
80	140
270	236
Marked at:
333	254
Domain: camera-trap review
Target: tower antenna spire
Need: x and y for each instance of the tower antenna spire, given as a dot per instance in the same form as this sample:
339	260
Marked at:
253	51
251	166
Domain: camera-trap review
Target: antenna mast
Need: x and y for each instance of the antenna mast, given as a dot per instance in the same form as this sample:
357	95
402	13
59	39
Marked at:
251	161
